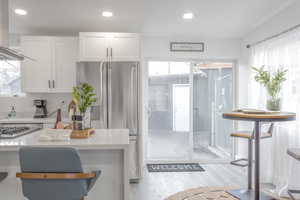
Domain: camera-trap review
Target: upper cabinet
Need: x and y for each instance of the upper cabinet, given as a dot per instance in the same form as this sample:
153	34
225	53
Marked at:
65	58
109	47
37	74
54	67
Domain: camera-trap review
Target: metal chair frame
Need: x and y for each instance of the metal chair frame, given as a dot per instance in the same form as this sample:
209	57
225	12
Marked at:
250	154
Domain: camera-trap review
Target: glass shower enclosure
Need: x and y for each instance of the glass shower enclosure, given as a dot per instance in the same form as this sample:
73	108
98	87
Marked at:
185	105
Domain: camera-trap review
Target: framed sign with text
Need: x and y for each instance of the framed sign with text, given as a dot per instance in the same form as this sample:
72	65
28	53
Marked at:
187	46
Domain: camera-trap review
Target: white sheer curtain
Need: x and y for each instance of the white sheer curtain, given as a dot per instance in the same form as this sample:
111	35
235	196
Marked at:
280	52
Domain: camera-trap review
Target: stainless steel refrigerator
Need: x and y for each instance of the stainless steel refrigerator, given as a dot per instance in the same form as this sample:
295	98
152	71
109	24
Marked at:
119	95
117	88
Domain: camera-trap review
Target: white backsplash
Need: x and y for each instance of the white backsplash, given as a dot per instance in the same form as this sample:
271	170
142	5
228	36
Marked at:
25	108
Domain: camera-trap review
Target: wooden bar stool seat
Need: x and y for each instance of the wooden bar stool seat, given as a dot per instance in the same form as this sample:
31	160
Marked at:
242	134
294	153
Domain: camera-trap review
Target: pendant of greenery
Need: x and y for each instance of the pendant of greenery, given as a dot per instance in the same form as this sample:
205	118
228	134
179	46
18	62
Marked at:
84	97
273	84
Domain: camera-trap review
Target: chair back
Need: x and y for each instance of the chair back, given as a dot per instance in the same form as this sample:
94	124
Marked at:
52	160
267	134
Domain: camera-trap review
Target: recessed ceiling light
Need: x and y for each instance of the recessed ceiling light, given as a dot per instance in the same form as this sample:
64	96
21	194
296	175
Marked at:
188	15
20	12
107	14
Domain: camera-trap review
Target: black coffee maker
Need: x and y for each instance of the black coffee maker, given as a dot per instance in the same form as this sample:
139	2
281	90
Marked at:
41	109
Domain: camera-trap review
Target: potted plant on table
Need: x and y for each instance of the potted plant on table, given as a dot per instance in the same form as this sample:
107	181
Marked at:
273	84
84	97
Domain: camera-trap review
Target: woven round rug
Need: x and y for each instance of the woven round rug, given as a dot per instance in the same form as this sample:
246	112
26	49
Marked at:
203	193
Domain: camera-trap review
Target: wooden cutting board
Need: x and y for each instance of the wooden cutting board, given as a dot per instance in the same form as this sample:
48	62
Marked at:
82	134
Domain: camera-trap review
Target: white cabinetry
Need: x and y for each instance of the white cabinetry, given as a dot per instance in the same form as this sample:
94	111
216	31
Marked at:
54	67
109	46
37	74
65	57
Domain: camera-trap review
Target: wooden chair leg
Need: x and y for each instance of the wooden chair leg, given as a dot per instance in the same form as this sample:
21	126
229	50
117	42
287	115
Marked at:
82	198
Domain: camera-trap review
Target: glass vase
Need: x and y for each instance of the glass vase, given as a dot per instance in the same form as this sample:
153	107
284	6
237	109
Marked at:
273	103
87	119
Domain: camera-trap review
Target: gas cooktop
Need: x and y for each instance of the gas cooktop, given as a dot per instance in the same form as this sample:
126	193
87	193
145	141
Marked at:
13	131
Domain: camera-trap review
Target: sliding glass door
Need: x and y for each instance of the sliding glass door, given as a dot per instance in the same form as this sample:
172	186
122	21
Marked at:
212	96
185	105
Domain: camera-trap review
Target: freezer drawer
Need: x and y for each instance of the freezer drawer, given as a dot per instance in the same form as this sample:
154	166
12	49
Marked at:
134	167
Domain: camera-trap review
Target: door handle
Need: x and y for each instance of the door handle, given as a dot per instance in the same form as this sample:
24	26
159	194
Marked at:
53	84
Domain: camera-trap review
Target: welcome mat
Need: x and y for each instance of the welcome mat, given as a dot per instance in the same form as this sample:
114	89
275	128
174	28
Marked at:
175	167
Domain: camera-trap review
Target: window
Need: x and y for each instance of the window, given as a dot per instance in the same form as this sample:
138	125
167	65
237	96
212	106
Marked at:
10	78
157	68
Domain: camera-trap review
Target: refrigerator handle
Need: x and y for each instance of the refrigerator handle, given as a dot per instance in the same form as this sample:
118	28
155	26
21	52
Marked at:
132	73
101	82
102	101
109	99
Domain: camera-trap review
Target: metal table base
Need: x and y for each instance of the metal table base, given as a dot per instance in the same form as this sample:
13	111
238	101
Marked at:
248	194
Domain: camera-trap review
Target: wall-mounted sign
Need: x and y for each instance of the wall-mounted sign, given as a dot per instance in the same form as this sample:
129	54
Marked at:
187	46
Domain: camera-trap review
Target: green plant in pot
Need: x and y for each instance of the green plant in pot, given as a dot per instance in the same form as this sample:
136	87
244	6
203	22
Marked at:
84	97
273	84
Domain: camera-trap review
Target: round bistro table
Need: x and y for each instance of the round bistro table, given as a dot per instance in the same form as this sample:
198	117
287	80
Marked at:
246	194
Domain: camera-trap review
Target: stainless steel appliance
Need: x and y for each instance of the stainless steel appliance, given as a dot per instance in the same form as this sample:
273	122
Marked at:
9	131
117	88
116	85
40	108
119	95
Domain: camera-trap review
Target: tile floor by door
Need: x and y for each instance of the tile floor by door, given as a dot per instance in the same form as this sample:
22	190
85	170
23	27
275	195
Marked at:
158	186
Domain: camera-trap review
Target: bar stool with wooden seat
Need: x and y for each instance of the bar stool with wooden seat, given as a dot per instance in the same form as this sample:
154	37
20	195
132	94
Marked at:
294	153
247	162
54	173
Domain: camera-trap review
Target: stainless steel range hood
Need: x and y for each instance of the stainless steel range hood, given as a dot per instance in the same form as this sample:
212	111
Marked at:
5	52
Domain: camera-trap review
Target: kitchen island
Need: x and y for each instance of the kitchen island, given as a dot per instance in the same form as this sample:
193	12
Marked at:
106	150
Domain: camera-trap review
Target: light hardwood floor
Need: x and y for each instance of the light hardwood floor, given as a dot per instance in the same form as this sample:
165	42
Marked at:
158	186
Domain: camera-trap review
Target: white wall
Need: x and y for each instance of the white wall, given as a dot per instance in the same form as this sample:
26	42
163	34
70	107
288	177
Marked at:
159	47
24	105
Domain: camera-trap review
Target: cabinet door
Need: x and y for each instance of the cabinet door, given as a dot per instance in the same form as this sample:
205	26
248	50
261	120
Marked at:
64	70
36	75
93	46
125	47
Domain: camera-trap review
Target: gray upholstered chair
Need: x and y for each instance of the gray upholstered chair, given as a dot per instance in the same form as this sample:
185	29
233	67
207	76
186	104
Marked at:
54	174
294	153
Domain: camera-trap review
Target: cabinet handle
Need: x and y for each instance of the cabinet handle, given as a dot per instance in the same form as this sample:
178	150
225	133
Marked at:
53	84
49	84
111	52
106	52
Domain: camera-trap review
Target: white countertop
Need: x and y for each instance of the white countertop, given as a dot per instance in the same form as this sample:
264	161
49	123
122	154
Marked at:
31	120
101	139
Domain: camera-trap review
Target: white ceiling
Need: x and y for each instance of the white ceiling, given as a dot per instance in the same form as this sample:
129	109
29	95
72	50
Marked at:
213	18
